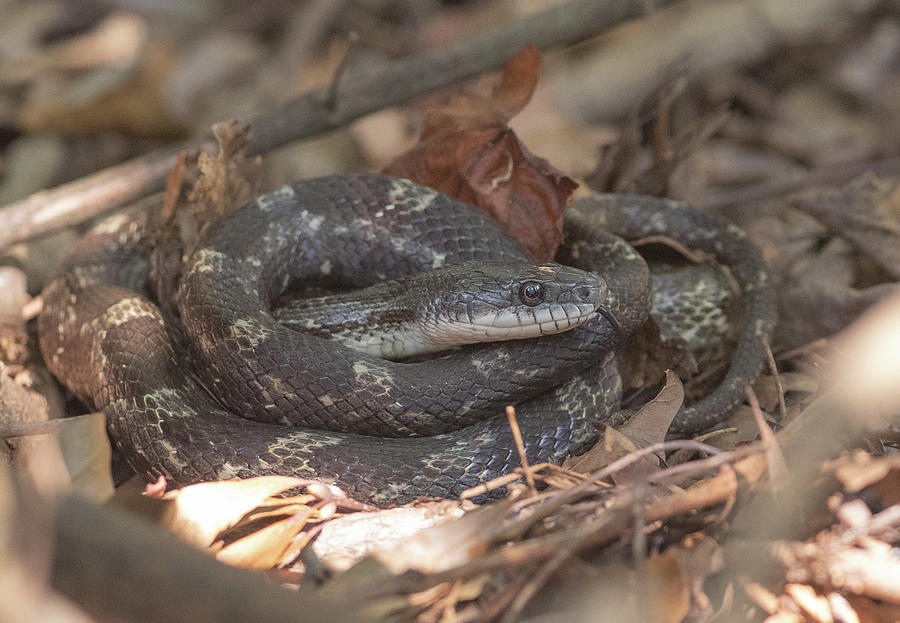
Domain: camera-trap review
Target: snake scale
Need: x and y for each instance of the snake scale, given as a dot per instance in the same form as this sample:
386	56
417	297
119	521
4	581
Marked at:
264	399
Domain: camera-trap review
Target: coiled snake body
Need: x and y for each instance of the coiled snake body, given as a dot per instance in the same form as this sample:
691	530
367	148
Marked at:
289	403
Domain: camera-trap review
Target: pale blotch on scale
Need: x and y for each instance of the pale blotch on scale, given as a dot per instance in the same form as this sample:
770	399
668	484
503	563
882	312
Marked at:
251	329
172	453
127	309
438	259
390	494
657	222
207	261
360	369
402	189
269	200
326	400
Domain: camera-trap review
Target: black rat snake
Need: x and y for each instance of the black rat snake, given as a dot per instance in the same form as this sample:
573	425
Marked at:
386	432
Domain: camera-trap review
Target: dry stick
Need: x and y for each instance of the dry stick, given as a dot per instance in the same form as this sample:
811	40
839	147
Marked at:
828	176
779	387
607	526
538	580
584	488
308	115
520	447
24	429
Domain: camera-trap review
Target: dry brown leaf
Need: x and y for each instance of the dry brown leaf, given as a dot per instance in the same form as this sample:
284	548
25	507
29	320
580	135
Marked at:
468	151
446	545
865	213
86	451
863	470
701	557
668	587
647	356
646	427
613	445
650	424
200	189
767	390
740	428
229	179
127	100
265	548
200	512
116	40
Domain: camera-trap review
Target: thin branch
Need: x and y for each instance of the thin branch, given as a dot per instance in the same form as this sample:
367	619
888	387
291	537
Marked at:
520	447
826	176
375	88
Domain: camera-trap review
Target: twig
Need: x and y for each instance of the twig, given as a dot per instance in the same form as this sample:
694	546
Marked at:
828	176
331	100
538	580
520	447
308	115
519	527
42	427
773	368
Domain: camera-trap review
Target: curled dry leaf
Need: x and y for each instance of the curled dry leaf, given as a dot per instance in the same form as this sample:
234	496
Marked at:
645	428
647	356
446	545
265	548
347	539
865	213
668	587
467	150
200	512
862	470
86	452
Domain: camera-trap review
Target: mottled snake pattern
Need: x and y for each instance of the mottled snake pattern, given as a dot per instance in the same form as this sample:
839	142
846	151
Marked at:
263	399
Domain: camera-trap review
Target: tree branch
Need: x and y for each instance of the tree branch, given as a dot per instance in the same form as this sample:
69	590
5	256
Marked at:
308	115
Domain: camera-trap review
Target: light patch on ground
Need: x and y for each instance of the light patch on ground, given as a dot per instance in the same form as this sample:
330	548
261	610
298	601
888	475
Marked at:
111	224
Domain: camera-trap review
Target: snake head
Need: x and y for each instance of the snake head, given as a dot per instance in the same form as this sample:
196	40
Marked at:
494	301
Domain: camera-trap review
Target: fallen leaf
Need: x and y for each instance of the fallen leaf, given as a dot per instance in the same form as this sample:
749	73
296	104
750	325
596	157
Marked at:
863	212
647	356
814	605
701	556
767	390
200	189
87	454
611	446
446	545
650	424
668	587
348	539
646	427
200	512
468	151
862	470
265	548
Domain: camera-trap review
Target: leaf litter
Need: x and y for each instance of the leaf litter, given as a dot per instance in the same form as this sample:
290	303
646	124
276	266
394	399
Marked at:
639	522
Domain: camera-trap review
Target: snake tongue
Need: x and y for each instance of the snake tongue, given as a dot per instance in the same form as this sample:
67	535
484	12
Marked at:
612	320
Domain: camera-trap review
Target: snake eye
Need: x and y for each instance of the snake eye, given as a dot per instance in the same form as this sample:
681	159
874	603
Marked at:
531	293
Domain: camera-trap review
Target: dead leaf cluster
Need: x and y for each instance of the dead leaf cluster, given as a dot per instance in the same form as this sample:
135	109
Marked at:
786	513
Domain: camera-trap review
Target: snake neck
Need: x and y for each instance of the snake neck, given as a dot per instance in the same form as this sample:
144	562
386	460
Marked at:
386	326
589	247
